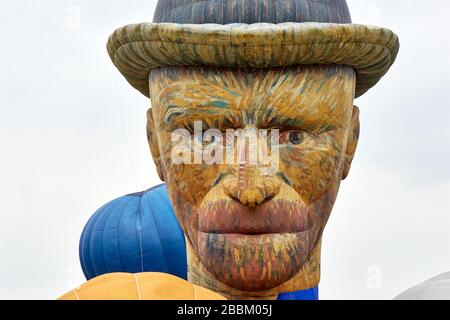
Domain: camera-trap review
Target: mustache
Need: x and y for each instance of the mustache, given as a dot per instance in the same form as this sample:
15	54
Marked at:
275	216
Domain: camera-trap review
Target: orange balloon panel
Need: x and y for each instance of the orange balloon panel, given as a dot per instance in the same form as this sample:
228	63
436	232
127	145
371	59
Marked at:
140	286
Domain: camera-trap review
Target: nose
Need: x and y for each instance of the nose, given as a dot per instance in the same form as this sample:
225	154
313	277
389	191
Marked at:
250	187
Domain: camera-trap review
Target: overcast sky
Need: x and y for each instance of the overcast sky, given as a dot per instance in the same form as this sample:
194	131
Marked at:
67	117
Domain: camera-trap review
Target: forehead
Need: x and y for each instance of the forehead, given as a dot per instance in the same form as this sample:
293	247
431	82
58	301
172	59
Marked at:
311	93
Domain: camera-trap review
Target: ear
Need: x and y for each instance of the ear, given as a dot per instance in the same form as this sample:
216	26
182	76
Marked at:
153	143
352	142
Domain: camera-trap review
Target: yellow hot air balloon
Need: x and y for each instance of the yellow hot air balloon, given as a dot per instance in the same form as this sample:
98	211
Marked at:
140	286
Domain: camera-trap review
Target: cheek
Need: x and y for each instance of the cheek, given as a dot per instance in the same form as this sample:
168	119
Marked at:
193	182
190	181
314	169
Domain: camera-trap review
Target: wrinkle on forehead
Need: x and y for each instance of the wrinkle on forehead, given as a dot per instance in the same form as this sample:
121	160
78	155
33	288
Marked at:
313	94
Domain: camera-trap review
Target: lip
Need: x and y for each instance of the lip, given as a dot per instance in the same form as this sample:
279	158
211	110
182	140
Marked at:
271	218
252	239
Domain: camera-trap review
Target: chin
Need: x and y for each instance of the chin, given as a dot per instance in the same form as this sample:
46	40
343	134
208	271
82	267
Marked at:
254	262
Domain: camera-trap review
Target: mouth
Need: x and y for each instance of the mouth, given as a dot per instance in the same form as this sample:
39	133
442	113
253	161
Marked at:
252	240
272	218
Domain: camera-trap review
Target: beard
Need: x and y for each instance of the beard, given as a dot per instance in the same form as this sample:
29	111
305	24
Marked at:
256	249
253	262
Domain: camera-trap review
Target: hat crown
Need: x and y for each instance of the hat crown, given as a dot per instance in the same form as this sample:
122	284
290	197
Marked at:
251	11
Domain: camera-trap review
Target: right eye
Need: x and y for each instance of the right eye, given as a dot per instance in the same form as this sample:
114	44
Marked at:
208	139
198	139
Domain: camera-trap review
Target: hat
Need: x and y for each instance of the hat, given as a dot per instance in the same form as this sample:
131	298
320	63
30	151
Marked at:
252	34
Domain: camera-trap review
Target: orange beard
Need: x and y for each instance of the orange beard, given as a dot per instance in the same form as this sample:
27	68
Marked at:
257	249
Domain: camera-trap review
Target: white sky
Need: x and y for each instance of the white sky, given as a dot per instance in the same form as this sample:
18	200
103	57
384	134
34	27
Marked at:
63	152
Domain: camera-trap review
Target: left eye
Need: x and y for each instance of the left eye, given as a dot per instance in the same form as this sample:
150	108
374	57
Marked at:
296	138
293	137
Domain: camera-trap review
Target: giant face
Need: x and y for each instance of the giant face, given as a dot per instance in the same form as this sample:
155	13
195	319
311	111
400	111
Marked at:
252	229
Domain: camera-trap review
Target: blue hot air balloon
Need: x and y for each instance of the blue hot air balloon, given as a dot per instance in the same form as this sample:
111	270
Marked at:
134	233
304	295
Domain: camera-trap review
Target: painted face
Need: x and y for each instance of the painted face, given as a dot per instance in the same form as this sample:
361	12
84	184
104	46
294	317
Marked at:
251	224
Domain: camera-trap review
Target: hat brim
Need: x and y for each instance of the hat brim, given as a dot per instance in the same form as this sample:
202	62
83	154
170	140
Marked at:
137	49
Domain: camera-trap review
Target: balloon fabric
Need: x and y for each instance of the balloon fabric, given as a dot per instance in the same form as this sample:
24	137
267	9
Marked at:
135	233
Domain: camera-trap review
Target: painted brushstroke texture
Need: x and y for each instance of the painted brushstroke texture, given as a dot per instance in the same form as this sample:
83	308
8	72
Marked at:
251	11
137	49
251	234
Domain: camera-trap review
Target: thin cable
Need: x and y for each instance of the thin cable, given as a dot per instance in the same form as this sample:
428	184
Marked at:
124	130
147	15
76	294
139	228
138	288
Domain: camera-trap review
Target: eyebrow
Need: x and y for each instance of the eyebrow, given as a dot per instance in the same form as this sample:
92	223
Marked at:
214	117
281	122
222	112
178	117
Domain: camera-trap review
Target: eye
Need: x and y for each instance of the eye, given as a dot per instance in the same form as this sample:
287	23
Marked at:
206	139
210	140
198	139
293	138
